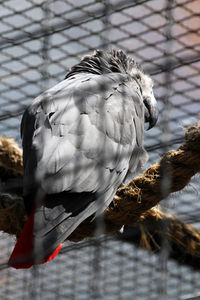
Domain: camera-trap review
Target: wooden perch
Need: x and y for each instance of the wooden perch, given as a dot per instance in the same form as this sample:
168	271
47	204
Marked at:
132	203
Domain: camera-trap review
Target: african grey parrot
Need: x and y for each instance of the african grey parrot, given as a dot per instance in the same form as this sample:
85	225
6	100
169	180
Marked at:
80	140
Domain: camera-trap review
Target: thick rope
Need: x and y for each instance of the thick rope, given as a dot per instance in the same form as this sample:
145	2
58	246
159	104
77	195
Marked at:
11	156
158	230
144	192
133	202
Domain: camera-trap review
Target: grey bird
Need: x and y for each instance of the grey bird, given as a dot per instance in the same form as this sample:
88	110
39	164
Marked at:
80	140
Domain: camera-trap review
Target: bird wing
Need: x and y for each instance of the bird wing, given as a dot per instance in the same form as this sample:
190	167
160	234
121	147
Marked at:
80	135
80	138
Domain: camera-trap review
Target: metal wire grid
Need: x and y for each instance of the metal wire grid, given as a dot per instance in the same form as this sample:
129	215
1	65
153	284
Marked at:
124	273
75	30
40	40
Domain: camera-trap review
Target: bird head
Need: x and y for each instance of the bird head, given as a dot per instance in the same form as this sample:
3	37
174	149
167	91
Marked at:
146	84
102	62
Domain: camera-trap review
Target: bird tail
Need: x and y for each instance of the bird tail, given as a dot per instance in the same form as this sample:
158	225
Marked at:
22	254
43	233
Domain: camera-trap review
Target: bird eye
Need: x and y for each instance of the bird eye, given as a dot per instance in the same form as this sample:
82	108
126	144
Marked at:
138	77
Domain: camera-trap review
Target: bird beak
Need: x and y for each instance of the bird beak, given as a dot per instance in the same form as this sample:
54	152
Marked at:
151	111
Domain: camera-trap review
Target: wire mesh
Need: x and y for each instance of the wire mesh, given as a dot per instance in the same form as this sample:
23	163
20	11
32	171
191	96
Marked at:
40	41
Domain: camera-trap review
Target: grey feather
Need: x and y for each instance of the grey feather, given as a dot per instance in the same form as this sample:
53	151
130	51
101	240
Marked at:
73	142
82	136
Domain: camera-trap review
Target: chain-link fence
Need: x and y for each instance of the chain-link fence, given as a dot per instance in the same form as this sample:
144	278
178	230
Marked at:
40	41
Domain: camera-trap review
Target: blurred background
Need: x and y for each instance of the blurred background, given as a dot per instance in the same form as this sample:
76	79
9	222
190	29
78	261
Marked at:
39	42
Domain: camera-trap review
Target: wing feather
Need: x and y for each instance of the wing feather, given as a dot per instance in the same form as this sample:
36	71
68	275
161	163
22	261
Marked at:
84	136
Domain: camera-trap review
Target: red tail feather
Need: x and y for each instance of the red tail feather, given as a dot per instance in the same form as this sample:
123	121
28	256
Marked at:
21	257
